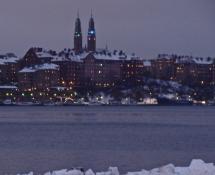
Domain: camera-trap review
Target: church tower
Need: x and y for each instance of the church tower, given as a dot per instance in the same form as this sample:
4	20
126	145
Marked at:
91	39
78	36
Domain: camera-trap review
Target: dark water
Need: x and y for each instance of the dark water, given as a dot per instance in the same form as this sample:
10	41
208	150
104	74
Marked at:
48	138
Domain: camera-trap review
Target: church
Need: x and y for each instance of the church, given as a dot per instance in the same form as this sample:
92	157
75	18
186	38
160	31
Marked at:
91	37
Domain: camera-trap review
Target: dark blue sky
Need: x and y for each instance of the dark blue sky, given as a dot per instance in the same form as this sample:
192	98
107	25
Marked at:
147	27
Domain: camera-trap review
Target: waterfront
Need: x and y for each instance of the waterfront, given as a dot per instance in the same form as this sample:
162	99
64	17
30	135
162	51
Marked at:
46	138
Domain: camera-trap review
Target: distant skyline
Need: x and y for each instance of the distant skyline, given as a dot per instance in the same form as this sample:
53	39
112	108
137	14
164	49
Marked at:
145	27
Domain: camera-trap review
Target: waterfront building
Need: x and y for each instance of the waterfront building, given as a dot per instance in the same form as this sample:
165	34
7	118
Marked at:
71	68
26	79
37	56
163	67
100	72
9	66
132	71
202	71
39	77
8	93
183	73
42	70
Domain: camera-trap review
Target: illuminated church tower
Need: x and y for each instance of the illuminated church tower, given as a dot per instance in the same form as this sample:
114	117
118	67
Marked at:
91	39
78	36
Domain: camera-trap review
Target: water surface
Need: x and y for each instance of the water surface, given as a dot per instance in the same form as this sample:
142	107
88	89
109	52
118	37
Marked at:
48	138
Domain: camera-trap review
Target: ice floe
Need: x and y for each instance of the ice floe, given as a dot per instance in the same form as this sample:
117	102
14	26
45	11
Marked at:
197	167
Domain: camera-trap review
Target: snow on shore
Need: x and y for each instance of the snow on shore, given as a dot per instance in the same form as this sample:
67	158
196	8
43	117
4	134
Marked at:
197	167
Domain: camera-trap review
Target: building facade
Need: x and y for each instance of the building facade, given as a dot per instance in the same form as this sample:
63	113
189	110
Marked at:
9	67
39	78
163	67
101	73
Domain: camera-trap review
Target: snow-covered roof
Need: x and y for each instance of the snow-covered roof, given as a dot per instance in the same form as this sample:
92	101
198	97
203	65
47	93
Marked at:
204	60
106	57
2	61
187	59
28	70
12	60
115	55
79	57
48	66
100	55
8	87
2	56
147	63
43	53
69	55
59	59
5	60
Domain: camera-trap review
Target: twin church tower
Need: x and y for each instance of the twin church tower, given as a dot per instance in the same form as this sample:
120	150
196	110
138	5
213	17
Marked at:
91	37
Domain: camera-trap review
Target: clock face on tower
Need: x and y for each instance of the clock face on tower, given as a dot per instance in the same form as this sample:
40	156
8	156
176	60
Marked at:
91	35
92	32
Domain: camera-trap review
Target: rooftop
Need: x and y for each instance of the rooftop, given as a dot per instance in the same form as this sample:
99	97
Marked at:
187	59
69	55
46	66
8	58
8	87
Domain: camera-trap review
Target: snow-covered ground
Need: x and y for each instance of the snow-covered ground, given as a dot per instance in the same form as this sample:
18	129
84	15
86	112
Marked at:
197	167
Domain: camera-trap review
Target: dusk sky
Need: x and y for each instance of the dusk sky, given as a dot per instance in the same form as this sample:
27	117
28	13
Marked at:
146	27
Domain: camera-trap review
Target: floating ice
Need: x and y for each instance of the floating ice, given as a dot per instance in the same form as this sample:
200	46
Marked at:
197	167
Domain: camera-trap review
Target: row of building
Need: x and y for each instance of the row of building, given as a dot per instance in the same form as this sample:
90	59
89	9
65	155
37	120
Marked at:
189	70
43	70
